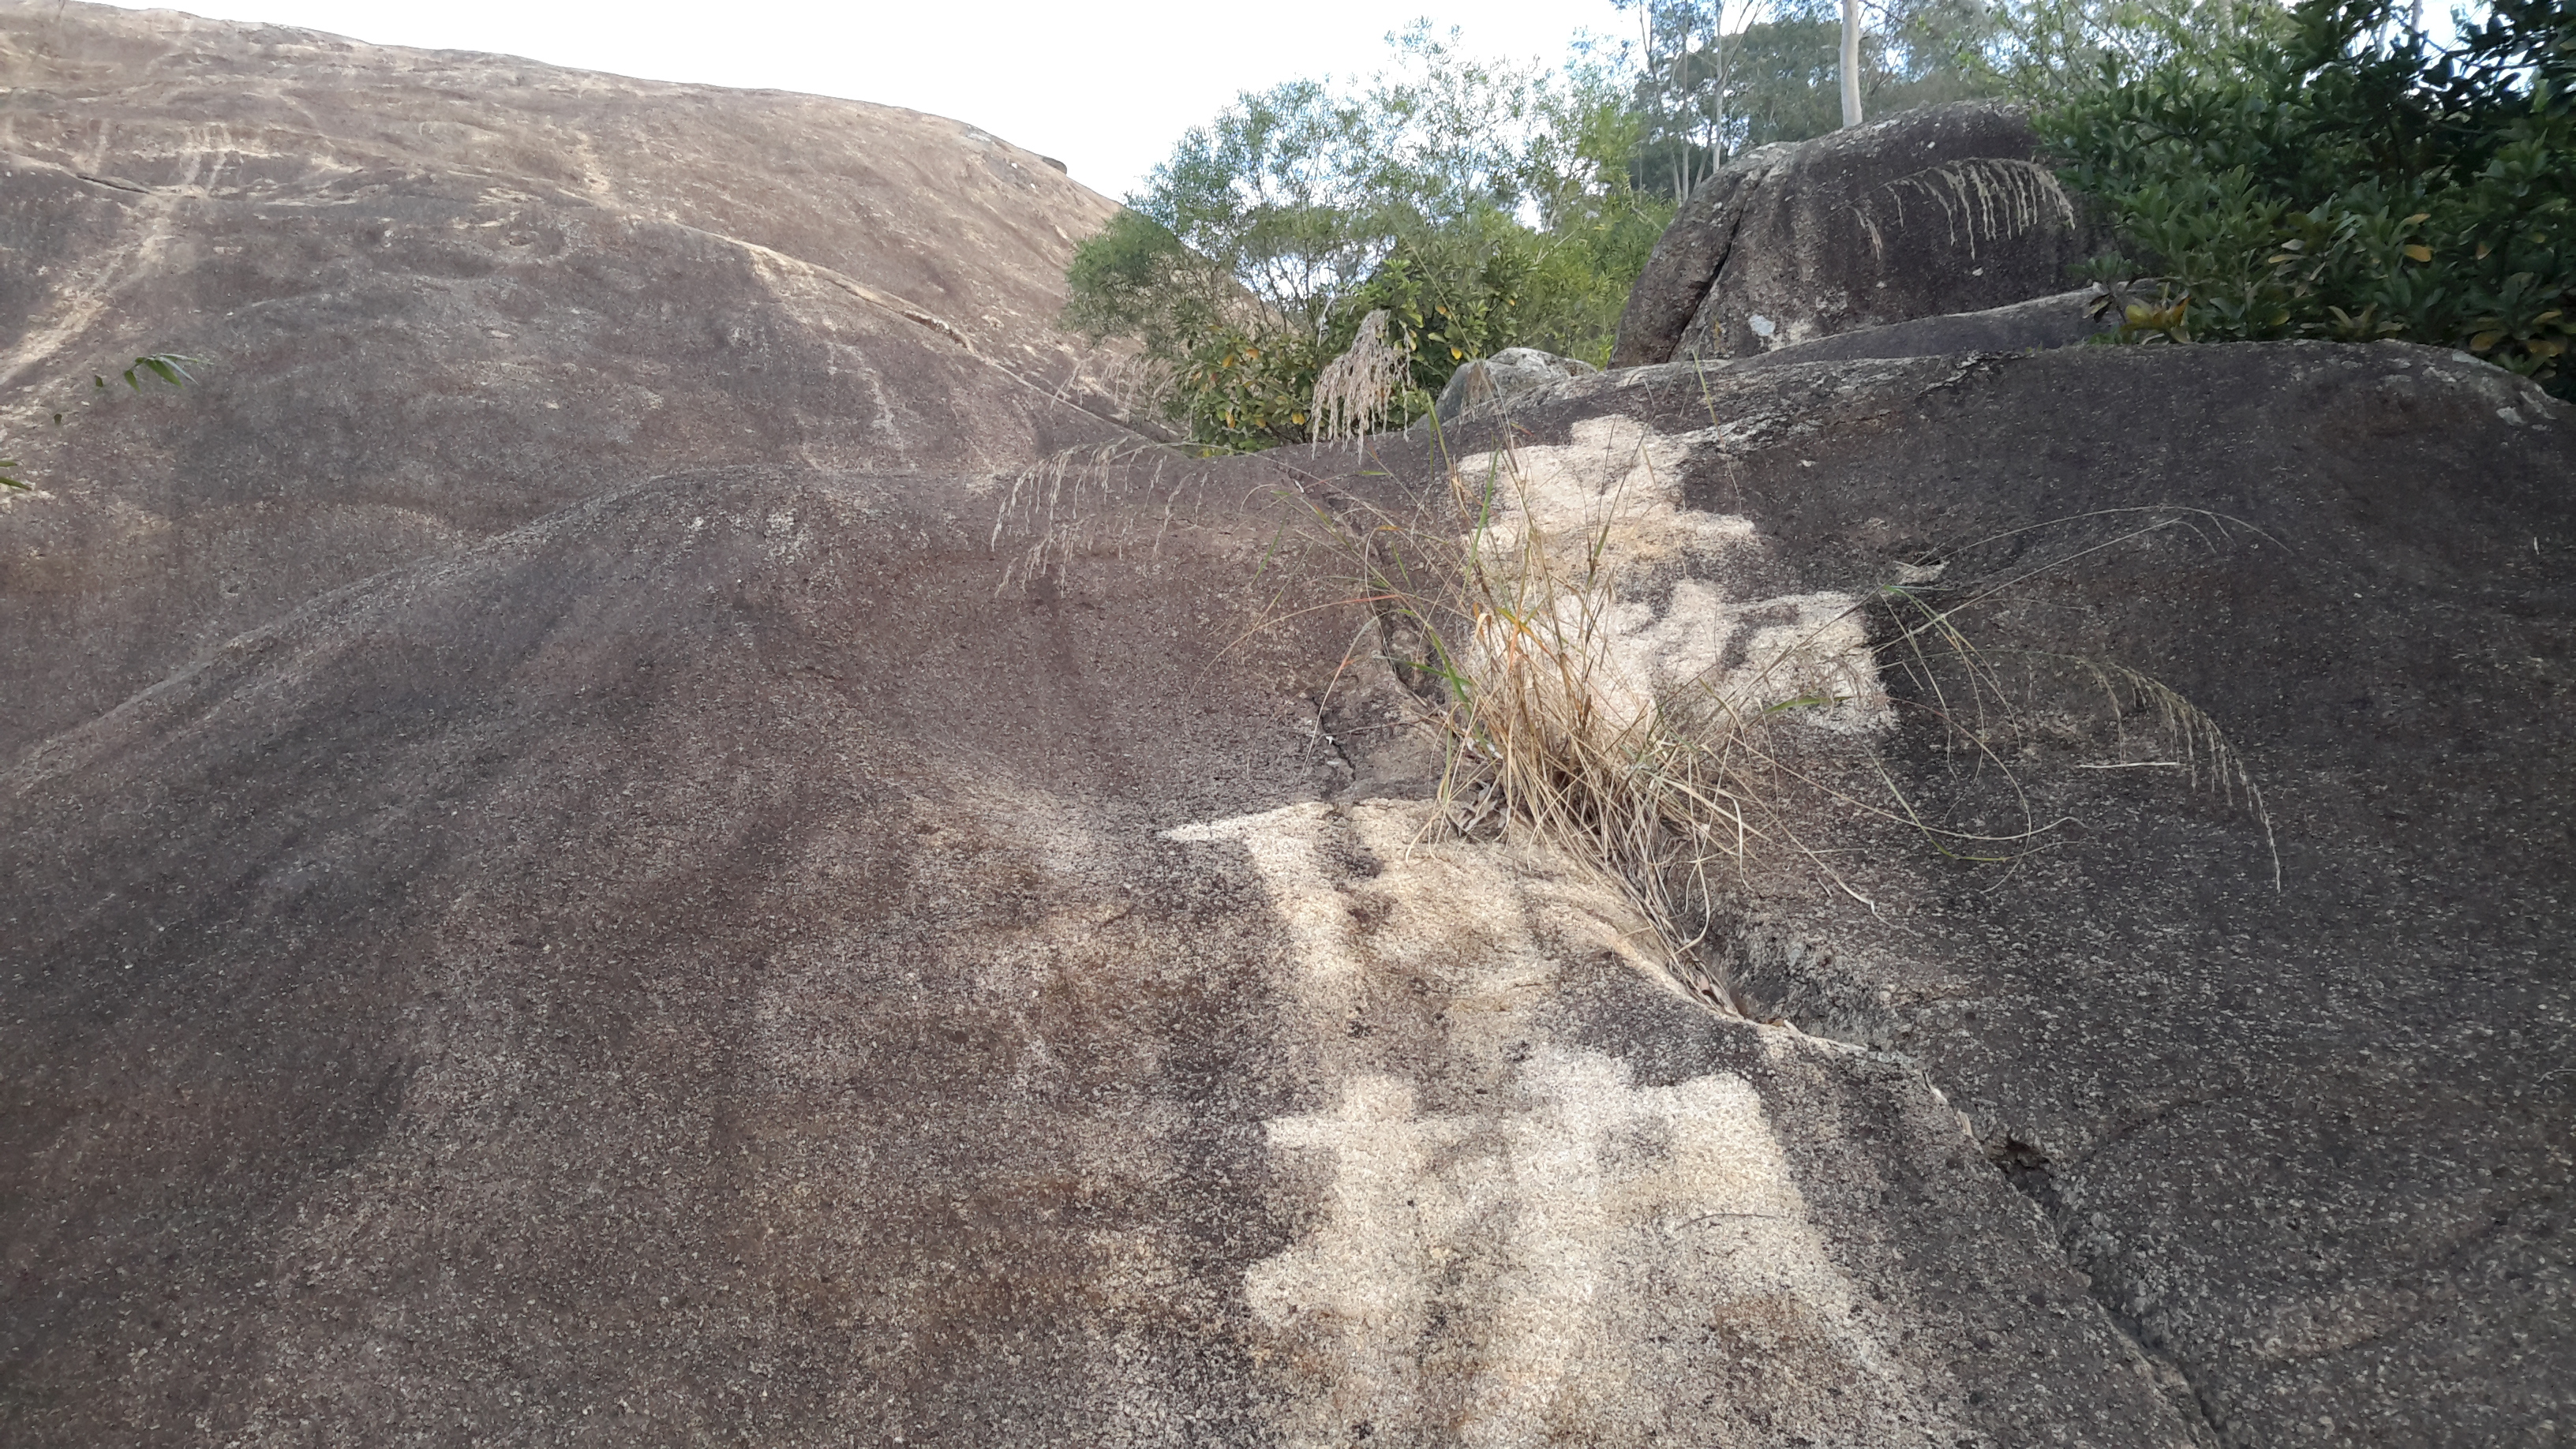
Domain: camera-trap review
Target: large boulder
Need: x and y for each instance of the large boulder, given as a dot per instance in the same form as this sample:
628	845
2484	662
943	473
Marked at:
1940	210
445	294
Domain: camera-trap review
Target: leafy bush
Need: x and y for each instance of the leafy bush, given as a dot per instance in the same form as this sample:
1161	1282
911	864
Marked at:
1479	206
2044	51
1484	206
2345	178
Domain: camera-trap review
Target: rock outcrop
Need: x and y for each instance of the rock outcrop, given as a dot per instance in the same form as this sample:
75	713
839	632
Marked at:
2283	1066
736	866
444	295
704	961
2039	325
1942	210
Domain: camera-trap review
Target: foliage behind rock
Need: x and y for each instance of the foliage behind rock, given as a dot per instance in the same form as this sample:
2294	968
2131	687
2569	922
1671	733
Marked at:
2349	180
1481	207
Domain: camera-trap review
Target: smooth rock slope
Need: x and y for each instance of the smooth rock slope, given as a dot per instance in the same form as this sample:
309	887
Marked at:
704	965
442	295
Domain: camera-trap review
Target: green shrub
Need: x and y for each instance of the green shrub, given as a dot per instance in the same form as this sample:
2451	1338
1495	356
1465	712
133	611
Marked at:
2347	179
1480	206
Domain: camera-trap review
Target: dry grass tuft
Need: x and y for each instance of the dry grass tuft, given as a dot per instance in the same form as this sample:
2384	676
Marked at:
1926	645
2206	752
1081	500
1668	798
1670	801
1356	392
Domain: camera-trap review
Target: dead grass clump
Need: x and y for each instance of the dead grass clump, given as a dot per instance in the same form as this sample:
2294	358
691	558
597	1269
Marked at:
1356	392
1665	794
1671	794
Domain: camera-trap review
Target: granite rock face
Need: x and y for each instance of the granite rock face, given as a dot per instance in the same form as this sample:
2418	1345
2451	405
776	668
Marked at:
2264	998
1946	209
689	872
443	295
707	961
2040	325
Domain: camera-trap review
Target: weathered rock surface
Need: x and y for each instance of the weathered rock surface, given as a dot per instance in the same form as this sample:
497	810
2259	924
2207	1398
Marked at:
1941	210
714	901
2310	1137
704	963
2038	325
841	935
446	294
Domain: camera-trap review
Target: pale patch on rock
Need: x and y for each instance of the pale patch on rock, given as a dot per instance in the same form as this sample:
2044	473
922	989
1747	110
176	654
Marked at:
1512	1242
1650	594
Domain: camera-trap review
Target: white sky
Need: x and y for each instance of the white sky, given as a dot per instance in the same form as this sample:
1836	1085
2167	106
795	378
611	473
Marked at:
1106	89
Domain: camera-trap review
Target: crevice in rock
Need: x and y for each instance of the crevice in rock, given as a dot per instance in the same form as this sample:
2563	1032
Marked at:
2027	1168
1782	973
1702	321
1678	278
2030	1171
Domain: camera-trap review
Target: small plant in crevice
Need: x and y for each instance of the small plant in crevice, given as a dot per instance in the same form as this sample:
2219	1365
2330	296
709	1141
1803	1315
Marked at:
170	367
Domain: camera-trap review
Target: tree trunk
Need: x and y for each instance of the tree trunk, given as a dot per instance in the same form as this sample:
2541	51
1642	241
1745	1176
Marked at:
1851	62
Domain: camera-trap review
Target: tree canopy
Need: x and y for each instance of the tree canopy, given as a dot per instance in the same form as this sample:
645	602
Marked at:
2317	170
1484	205
1480	205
